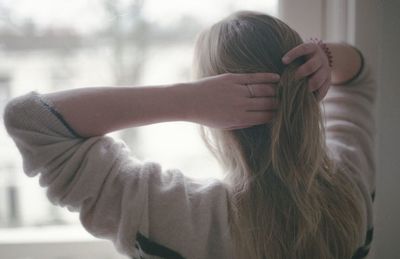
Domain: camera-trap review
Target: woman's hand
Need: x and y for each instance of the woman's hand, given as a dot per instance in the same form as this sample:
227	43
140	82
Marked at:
233	101
316	67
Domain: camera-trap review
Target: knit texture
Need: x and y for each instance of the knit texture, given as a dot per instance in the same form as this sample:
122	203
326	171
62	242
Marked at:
151	212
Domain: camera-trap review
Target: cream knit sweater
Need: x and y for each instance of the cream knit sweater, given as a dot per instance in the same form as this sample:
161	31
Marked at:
151	212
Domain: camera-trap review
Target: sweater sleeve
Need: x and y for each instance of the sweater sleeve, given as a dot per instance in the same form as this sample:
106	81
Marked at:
350	134
140	207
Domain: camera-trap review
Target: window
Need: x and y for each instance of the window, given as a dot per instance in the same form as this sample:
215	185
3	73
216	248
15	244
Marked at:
51	45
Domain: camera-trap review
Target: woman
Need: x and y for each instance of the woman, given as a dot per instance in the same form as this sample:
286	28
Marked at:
285	193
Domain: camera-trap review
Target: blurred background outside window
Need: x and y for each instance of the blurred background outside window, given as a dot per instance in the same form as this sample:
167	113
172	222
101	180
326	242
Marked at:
52	45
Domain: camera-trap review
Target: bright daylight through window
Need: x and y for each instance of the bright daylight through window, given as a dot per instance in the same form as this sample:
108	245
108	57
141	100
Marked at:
51	45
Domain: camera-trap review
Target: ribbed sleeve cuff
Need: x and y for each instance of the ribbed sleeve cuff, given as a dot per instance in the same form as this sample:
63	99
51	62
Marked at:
51	107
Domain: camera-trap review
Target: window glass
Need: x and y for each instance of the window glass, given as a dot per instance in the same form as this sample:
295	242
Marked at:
51	45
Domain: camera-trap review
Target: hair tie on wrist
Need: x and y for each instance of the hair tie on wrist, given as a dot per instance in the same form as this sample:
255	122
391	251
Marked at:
324	48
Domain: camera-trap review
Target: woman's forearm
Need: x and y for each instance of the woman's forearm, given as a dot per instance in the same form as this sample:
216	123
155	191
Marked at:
346	62
96	111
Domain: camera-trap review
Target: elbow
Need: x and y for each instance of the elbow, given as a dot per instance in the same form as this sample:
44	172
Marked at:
13	112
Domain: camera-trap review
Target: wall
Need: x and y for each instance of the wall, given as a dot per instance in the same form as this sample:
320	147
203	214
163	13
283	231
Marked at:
388	179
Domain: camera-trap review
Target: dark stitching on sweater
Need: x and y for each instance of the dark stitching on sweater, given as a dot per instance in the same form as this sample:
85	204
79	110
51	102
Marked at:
152	248
155	249
364	250
60	117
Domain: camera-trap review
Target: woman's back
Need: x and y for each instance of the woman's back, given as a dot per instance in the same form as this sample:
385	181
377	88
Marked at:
292	191
147	211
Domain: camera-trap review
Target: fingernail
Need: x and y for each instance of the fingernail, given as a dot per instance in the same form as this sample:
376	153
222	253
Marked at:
285	59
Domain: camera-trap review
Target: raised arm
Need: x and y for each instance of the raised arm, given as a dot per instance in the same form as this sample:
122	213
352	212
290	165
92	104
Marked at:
347	63
140	206
349	111
222	102
346	66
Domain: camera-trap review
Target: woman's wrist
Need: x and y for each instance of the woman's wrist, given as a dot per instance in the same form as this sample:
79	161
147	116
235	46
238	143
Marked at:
181	98
93	111
347	62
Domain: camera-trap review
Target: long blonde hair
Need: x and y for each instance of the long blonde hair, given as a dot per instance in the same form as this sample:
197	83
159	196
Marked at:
288	199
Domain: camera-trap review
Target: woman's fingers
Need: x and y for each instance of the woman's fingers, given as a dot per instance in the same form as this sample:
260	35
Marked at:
261	90
250	119
239	127
259	117
262	104
317	80
308	68
254	78
300	50
323	90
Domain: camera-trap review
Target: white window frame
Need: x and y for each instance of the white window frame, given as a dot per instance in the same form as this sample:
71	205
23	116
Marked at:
50	242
